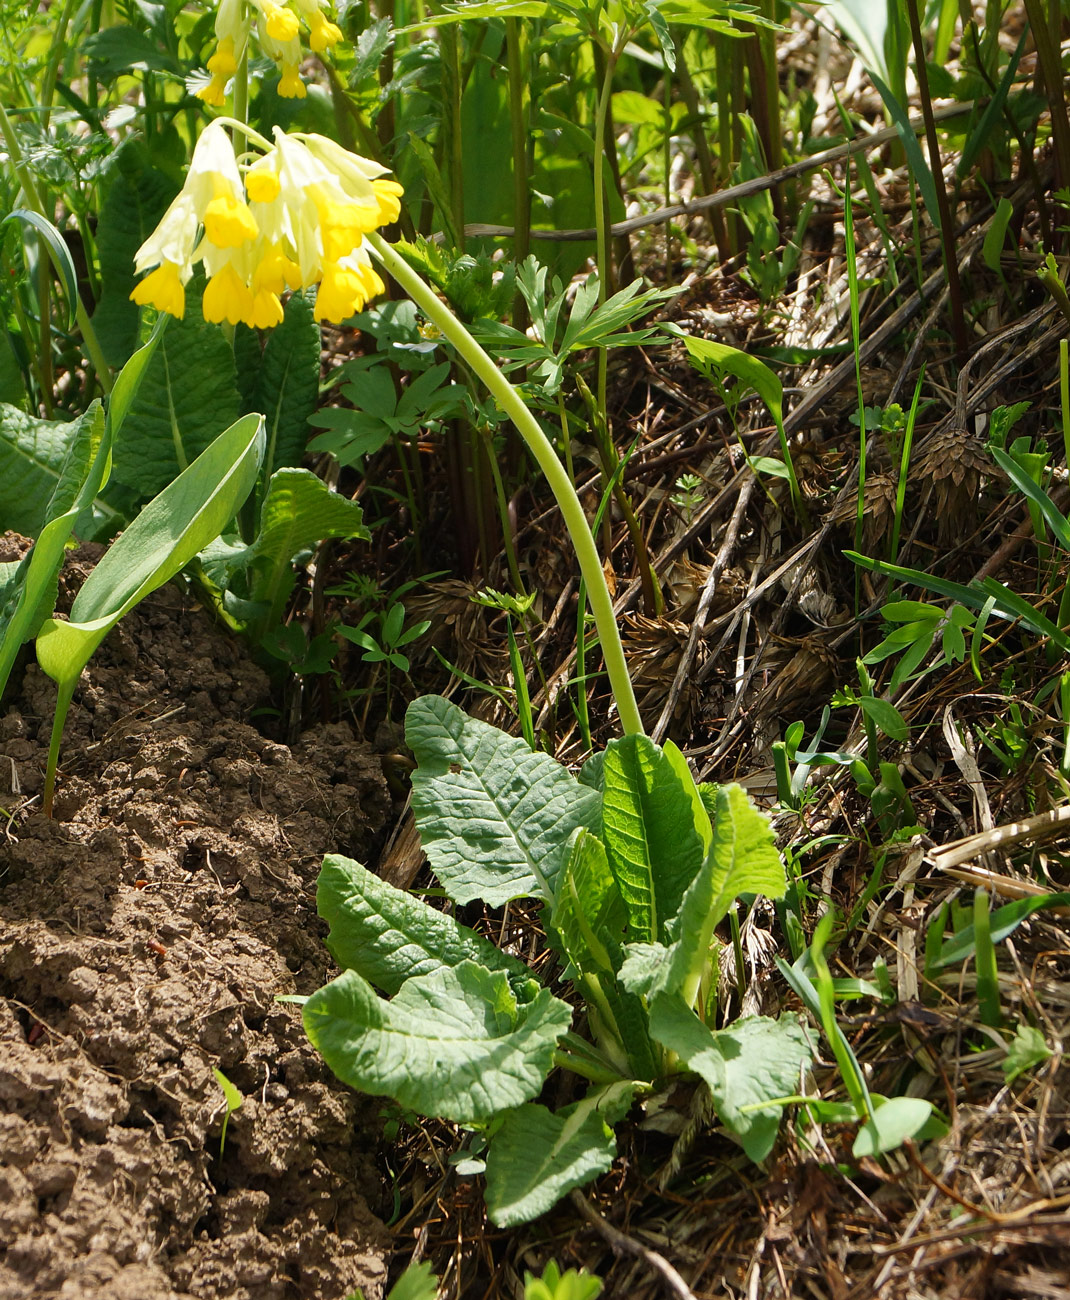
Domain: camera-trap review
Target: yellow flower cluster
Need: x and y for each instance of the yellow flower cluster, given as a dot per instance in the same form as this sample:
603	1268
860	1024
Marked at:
291	217
278	31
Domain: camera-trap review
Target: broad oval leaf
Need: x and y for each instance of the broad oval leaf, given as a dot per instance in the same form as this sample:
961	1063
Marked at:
537	1156
454	1043
494	817
893	1122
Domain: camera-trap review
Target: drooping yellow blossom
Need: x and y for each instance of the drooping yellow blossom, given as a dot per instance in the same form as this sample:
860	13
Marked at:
278	24
232	35
293	217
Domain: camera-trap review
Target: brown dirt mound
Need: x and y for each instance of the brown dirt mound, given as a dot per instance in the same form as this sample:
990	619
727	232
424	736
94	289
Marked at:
144	935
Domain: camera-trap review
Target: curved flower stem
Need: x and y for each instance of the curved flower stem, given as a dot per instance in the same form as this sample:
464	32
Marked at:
514	407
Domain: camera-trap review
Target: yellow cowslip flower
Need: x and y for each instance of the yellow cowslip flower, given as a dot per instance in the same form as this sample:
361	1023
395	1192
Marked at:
296	219
322	33
279	34
227	297
287	54
232	34
346	286
280	23
162	289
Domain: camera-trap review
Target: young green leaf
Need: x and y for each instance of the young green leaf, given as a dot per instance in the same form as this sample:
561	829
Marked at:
454	1043
233	1100
648	826
538	1155
893	1122
1027	1049
589	919
298	512
164	537
751	1063
744	853
494	817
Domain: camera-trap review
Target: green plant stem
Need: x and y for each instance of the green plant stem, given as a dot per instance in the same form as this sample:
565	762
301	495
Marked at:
947	233
59	48
64	696
518	117
600	224
33	200
561	485
503	513
1049	71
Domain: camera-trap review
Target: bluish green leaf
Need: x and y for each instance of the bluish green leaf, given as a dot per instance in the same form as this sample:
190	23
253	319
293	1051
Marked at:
494	817
162	540
454	1043
538	1156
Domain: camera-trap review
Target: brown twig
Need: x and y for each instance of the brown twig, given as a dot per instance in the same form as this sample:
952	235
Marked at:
621	1243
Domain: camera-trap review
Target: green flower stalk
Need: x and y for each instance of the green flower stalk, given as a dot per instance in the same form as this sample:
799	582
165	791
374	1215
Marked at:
560	483
303	213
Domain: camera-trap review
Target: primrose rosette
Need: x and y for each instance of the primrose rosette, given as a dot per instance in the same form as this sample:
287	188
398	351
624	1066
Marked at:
290	216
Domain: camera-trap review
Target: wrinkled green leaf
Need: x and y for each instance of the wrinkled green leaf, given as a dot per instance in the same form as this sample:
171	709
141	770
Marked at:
189	392
287	387
494	817
753	1061
454	1043
299	512
36	457
135	201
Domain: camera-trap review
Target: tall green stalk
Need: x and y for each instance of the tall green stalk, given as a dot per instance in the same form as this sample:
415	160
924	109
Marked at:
513	406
